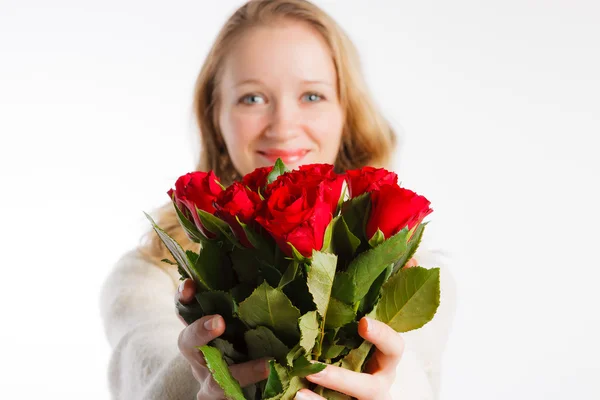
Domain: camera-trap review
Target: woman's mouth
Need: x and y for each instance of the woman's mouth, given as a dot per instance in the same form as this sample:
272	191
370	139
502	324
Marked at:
287	156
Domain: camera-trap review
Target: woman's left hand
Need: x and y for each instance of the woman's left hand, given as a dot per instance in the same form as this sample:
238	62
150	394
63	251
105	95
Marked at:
380	371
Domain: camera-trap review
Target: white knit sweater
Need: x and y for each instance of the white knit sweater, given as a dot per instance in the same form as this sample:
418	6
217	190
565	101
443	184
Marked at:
142	328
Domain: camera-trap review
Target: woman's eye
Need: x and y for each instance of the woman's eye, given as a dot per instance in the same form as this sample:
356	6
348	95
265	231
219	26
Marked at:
252	99
312	97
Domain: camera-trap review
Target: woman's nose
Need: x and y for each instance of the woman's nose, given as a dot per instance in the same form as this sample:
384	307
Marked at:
285	122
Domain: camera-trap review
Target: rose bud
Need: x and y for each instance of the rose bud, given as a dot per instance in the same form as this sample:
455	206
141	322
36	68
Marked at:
237	201
368	179
196	190
393	208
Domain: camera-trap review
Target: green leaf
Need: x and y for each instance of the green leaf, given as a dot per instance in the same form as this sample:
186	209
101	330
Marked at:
309	330
242	291
332	351
298	293
278	380
377	238
223	187
217	226
410	298
270	307
353	284
278	169
297	256
220	372
302	367
289	275
355	359
413	245
356	213
262	342
320	279
368	302
263	247
290	385
327	246
345	241
189	227
177	252
217	302
293	354
270	274
227	350
213	267
338	314
190	312
342	197
341	240
244	265
296	383
348	336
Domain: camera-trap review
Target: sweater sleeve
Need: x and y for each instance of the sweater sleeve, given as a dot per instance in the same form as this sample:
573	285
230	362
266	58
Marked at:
418	375
142	328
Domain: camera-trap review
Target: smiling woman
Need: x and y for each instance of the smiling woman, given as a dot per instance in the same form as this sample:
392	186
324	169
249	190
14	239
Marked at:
292	111
281	81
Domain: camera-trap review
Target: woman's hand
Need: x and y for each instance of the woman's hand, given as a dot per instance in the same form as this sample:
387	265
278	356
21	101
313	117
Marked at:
373	384
200	333
380	371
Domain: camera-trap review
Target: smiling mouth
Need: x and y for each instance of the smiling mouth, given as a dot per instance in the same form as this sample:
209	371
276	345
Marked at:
287	156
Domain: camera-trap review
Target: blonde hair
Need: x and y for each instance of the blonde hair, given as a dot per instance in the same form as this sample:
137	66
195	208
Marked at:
367	137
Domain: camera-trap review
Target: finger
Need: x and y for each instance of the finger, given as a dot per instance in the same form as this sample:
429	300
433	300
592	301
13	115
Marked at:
250	372
198	334
354	384
411	263
186	291
389	344
306	394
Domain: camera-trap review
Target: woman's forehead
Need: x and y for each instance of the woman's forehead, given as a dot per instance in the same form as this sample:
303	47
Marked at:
292	52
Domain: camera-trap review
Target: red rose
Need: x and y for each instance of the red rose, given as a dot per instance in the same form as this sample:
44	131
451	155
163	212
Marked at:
196	189
298	214
393	208
368	179
237	201
257	179
311	176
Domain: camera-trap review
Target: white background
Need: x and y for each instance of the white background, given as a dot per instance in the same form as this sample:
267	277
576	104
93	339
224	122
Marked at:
498	105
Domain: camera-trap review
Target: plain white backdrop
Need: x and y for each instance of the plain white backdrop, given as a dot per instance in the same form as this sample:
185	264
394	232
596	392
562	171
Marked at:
498	108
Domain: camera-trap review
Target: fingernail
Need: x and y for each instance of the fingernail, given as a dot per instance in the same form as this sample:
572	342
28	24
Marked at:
262	367
369	323
301	396
181	286
211	323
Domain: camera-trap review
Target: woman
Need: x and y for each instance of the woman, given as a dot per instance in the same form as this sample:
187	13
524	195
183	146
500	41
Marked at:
281	80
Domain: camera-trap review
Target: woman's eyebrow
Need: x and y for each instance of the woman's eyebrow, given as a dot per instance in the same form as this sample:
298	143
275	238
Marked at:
247	81
318	82
306	81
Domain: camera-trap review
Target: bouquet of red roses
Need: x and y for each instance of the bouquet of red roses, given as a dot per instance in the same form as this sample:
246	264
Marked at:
292	260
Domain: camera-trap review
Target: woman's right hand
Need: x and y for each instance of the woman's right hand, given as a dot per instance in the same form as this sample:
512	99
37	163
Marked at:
201	332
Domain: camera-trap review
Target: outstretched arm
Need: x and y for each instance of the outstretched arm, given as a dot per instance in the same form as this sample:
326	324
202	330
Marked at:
142	328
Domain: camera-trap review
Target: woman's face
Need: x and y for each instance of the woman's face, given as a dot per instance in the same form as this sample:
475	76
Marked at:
278	99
